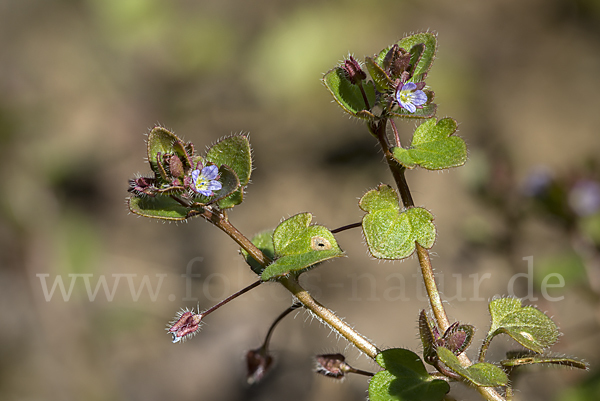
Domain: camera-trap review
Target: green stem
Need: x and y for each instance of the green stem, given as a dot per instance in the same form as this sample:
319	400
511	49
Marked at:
329	317
220	220
484	348
379	130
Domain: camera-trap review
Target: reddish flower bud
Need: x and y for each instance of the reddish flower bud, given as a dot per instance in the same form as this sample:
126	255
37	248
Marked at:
355	73
332	365
186	325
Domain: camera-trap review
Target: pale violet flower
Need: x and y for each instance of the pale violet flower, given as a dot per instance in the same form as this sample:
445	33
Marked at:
205	181
409	97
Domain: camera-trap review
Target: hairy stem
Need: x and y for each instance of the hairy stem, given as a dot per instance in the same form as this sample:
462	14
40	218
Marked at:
329	317
379	130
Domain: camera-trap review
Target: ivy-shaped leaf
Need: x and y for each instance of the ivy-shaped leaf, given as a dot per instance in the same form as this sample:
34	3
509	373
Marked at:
390	233
404	379
264	242
433	147
299	246
426	54
233	151
525	324
348	95
480	374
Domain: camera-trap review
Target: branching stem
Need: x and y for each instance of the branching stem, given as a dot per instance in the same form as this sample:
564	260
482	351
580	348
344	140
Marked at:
291	283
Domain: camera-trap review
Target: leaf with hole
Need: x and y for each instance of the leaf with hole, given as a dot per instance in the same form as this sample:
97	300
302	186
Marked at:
391	233
299	246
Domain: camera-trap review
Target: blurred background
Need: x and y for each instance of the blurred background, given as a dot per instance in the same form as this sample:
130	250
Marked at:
83	81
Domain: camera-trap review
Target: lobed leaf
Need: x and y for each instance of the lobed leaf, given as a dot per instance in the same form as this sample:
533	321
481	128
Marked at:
299	246
433	147
391	233
404	379
481	374
525	324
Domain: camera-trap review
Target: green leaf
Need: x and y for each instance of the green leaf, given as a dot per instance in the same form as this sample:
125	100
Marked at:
382	81
433	147
160	141
525	324
264	242
299	245
391	234
233	151
158	207
404	379
480	374
348	95
534	359
426	54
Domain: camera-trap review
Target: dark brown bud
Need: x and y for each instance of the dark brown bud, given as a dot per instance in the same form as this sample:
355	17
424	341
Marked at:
396	63
258	362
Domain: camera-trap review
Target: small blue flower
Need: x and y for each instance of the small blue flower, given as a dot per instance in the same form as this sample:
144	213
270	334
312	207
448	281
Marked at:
409	97
205	182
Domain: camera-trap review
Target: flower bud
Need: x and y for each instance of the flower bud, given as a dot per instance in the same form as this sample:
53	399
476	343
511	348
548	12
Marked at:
355	73
332	365
186	325
258	362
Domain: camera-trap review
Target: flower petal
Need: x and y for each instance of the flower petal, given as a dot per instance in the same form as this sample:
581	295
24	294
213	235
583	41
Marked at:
419	98
195	175
210	172
409	86
410	107
214	186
